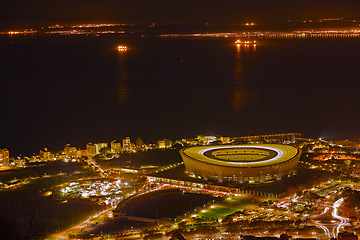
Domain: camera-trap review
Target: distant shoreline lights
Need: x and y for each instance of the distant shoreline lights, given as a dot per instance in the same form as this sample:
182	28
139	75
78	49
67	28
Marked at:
122	48
245	43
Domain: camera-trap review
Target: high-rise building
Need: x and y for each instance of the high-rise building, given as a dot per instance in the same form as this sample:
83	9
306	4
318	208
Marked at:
165	143
91	149
4	156
70	152
132	147
127	147
100	146
115	147
161	144
45	155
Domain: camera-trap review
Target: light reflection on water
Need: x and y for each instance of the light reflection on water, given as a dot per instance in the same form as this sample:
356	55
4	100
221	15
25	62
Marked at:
122	90
239	90
198	85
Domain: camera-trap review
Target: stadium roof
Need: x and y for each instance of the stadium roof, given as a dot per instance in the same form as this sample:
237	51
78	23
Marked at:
251	155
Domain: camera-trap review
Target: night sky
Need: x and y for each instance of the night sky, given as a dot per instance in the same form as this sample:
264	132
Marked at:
38	12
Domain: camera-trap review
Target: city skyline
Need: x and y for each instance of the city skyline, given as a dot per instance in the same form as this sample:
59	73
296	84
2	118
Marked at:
118	188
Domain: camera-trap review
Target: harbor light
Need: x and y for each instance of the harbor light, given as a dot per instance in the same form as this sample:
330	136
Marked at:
122	48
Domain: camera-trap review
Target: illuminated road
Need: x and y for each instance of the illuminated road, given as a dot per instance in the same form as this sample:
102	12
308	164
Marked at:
98	167
334	213
91	220
322	226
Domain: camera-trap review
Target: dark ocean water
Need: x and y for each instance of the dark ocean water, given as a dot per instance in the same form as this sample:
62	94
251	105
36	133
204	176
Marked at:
77	89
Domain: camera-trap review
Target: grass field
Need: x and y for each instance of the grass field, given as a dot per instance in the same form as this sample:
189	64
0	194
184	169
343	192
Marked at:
240	202
219	212
228	206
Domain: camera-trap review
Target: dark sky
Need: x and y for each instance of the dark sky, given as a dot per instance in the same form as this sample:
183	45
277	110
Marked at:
30	12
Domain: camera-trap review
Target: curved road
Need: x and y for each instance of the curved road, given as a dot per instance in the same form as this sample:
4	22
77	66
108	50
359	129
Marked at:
334	213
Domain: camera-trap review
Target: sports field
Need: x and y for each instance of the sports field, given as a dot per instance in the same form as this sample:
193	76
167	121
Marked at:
230	205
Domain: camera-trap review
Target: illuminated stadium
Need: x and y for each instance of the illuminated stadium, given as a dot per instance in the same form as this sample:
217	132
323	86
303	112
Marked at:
241	163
